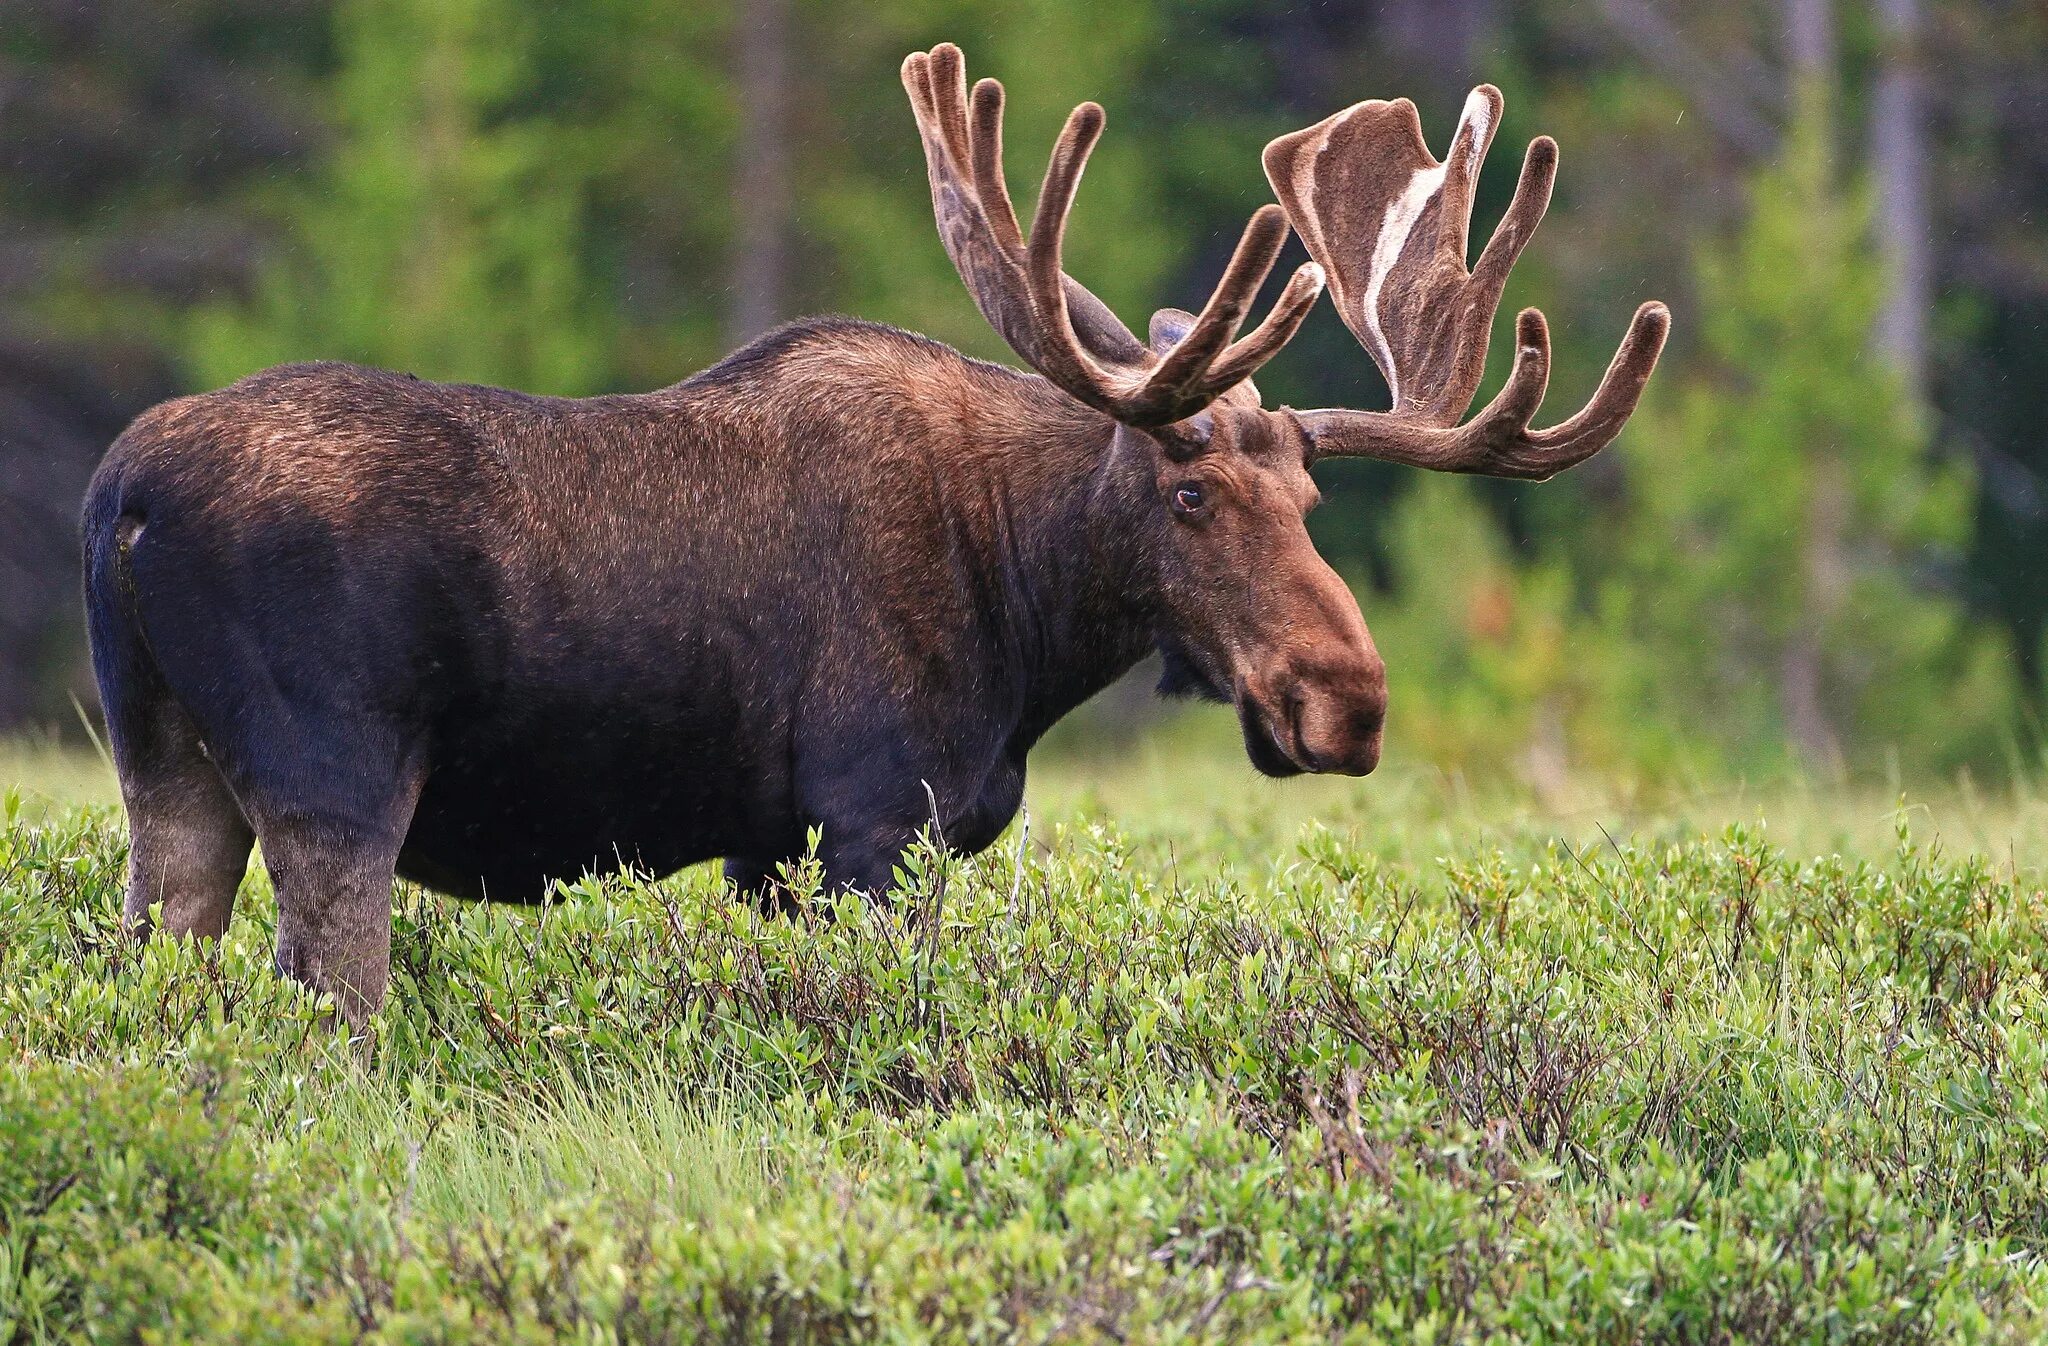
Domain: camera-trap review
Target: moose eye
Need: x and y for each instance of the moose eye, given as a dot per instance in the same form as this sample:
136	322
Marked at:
1187	498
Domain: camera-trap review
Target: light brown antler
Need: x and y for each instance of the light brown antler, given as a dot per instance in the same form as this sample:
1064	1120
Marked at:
1051	320
1389	222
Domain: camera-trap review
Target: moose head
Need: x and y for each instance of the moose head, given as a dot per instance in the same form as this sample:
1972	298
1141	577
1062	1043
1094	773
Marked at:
1247	611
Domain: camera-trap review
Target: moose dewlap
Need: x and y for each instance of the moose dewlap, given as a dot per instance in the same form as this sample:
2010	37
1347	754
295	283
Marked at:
486	640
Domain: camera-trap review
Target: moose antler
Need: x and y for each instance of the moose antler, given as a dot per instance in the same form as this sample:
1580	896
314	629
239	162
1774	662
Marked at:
1051	320
1389	222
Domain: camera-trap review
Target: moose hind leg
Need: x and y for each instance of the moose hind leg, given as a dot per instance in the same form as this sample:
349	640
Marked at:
188	841
330	836
188	844
333	910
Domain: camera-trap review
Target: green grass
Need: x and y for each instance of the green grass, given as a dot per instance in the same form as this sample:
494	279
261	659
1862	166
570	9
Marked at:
636	1144
50	776
1444	1063
1196	791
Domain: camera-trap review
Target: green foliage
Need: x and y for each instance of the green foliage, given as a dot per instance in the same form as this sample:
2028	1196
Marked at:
1492	664
1786	508
542	196
1696	1090
445	234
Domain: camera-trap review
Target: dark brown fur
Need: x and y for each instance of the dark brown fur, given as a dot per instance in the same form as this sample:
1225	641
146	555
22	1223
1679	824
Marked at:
491	640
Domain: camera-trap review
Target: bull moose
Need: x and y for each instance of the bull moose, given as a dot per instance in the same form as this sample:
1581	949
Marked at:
487	640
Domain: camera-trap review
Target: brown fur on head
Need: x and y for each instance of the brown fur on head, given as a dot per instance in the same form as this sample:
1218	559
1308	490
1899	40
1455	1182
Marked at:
1250	613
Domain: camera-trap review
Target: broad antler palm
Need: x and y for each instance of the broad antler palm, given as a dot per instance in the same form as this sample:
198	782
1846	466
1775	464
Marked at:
1052	321
1388	222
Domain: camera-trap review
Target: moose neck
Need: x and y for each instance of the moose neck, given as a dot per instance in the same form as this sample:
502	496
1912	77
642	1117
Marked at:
1055	512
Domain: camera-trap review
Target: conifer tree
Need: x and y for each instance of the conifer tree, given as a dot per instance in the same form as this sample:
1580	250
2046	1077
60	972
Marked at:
1791	529
444	234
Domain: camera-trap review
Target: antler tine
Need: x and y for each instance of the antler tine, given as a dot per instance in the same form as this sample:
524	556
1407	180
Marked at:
1477	123
1500	437
1019	282
1184	367
1499	442
1518	400
986	116
1206	363
1614	401
1043	265
1518	224
949	98
1244	357
1391	222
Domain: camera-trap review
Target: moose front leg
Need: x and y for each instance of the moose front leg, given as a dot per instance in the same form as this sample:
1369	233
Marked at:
862	847
331	846
756	882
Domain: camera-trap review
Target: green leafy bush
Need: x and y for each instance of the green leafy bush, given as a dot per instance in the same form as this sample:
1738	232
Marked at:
1100	1089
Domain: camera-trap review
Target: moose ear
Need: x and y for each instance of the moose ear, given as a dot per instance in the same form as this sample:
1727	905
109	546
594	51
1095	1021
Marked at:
1169	327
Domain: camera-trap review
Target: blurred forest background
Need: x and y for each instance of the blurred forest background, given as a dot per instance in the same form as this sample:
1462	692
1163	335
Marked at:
1822	545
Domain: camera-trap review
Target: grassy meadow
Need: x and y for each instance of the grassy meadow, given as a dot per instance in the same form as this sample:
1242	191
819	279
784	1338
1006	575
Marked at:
1198	1058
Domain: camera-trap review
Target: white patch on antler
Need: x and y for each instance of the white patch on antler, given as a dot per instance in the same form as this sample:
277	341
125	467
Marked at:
1399	223
1474	119
1402	213
1311	222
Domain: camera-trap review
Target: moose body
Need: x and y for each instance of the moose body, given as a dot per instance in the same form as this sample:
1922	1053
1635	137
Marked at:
792	592
842	581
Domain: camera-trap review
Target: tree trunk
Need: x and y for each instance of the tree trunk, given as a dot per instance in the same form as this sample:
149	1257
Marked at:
1802	688
1898	151
1444	41
1803	692
760	273
1810	39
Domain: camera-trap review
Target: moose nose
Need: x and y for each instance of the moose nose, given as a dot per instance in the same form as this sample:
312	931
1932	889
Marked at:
1336	717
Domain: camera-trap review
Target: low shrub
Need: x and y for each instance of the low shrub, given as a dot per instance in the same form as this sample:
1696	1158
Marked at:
1686	1091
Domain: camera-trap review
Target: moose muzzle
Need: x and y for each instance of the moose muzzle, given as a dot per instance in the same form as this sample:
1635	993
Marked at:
1320	710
